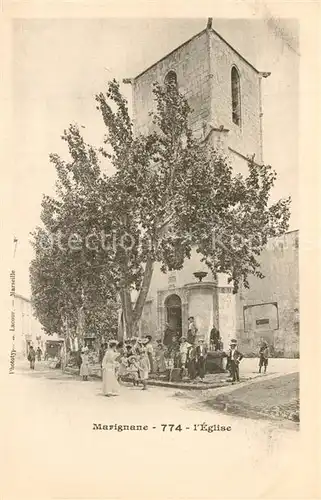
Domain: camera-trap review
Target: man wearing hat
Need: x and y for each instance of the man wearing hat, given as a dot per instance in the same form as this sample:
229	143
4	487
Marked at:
201	353
233	359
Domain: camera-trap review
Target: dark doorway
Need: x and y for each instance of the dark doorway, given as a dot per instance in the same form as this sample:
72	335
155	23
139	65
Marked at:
173	306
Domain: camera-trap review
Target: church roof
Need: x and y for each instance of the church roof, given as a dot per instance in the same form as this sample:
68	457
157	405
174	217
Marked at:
188	41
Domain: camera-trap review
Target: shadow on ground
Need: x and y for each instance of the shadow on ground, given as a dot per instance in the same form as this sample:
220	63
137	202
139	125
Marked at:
275	399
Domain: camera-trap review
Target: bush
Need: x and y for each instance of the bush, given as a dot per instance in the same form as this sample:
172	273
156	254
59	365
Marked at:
278	354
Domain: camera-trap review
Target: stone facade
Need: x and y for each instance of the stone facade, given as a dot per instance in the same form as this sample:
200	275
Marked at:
203	67
270	308
28	330
191	64
246	138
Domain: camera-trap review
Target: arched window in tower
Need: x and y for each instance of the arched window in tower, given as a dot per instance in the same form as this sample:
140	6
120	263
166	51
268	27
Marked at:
171	78
236	96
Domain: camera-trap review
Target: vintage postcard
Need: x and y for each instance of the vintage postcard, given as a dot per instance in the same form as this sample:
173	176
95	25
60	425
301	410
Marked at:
161	221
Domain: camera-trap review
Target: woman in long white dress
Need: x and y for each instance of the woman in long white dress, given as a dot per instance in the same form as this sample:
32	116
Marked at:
109	366
84	368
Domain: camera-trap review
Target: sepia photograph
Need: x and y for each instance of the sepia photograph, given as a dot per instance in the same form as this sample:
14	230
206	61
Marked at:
154	279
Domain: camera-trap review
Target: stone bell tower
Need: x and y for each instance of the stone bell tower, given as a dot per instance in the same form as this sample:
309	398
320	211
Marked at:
224	91
222	88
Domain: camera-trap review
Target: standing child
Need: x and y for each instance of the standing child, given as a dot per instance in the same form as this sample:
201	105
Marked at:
160	364
133	369
123	367
183	351
264	356
144	367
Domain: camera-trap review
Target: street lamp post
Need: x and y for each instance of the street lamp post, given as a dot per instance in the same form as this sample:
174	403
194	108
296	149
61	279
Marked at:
13	312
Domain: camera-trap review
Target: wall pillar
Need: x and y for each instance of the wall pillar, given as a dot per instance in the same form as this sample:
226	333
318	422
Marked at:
161	320
185	316
202	305
227	314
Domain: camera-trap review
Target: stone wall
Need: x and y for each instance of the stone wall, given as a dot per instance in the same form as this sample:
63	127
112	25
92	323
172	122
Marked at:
246	139
203	67
226	314
27	327
191	64
270	307
163	285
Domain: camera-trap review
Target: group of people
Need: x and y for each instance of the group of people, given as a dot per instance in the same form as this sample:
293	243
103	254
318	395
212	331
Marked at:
33	355
134	360
234	357
189	355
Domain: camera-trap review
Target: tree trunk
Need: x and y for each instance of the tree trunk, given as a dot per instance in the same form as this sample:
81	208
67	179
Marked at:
80	324
132	316
141	299
127	309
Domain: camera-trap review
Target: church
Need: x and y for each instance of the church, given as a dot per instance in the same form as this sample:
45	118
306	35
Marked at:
224	90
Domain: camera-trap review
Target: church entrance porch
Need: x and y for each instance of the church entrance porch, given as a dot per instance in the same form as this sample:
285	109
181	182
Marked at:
173	306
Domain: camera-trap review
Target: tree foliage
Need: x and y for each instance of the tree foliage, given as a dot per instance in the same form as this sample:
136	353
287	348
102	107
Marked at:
169	193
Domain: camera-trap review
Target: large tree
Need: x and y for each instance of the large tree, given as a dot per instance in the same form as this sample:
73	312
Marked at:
169	192
71	285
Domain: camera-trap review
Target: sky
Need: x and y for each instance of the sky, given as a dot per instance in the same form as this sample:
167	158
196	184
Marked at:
59	65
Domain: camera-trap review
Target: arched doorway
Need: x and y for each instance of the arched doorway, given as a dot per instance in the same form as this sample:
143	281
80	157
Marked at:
173	305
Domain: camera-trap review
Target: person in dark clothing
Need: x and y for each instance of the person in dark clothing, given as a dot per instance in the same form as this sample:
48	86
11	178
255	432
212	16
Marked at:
32	357
39	354
102	351
219	345
214	338
201	355
234	358
192	331
168	335
264	357
173	351
192	363
79	359
129	350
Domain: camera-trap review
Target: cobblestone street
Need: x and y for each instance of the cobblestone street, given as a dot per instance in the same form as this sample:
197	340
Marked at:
50	442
